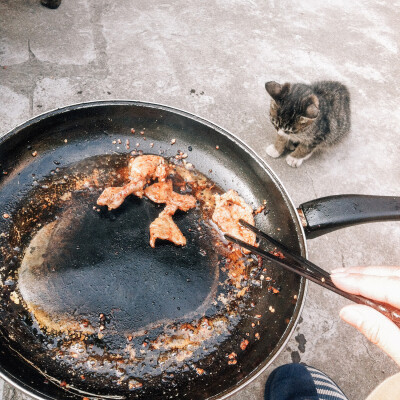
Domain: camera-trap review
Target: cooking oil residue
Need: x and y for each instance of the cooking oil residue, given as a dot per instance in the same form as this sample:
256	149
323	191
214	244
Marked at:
60	237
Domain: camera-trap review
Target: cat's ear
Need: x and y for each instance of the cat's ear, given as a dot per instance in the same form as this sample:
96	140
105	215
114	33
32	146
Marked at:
312	107
311	113
274	89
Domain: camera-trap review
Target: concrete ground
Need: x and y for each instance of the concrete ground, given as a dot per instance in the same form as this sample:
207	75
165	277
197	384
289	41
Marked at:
212	58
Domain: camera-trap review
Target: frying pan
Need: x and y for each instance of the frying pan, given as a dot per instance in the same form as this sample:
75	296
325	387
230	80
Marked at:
97	264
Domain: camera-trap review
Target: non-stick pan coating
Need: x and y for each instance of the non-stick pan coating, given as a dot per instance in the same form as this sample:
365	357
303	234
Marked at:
66	137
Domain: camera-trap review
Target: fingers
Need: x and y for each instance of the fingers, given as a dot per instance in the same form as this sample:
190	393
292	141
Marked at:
381	288
377	271
375	327
376	283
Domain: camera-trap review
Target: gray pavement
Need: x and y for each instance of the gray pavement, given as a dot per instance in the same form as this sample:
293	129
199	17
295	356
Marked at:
212	58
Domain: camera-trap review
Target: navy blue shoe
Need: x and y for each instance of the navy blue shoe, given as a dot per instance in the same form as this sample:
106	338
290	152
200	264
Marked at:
301	382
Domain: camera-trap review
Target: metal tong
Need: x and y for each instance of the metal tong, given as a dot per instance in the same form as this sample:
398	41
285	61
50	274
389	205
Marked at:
305	268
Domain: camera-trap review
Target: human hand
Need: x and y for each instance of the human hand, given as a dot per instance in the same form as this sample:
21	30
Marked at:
376	283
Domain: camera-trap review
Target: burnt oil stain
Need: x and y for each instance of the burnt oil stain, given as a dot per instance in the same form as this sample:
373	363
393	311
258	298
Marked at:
193	92
295	357
301	340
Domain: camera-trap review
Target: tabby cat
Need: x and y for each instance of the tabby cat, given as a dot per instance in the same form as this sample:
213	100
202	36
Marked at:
307	117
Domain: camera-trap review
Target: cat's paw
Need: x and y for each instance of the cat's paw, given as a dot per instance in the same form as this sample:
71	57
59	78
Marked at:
272	151
295	162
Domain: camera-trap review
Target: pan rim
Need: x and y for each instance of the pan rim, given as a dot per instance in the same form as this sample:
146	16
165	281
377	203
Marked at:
303	288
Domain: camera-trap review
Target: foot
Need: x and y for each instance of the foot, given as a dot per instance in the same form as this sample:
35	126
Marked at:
296	162
272	151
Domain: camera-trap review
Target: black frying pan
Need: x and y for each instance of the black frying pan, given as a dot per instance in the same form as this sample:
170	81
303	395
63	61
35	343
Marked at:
97	262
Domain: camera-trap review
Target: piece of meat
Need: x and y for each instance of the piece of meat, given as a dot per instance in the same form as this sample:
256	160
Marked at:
113	197
142	170
229	208
148	167
162	192
163	227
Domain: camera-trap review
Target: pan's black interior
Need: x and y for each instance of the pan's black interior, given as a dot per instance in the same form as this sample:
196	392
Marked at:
173	282
99	261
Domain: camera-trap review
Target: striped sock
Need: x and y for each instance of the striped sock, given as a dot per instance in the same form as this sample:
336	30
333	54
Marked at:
326	388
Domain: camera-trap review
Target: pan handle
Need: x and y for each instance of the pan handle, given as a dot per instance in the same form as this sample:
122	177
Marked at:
327	214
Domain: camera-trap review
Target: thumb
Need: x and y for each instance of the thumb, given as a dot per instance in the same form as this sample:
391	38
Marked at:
375	327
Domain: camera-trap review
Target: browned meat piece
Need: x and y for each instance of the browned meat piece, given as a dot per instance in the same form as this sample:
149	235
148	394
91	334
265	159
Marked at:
229	208
113	197
165	228
146	168
161	192
142	170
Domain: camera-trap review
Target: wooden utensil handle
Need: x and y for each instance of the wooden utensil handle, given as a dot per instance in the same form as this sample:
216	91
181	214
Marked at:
388	311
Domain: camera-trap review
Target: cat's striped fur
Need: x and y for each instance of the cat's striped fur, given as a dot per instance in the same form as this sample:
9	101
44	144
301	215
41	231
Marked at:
309	116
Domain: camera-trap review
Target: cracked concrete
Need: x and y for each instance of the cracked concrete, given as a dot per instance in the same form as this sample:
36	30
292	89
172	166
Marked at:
212	58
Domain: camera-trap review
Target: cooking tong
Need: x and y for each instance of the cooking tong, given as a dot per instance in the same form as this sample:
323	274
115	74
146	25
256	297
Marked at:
305	268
